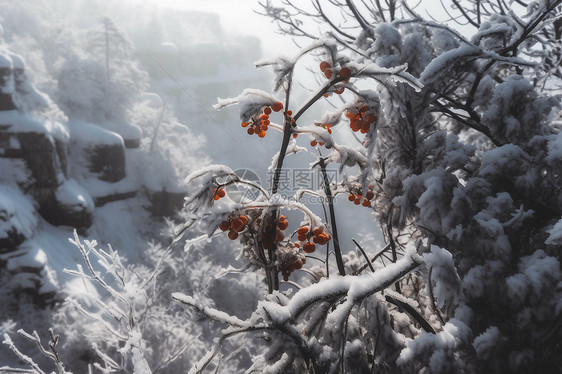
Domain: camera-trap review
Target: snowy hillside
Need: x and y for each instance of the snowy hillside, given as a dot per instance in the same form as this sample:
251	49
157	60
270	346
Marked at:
382	195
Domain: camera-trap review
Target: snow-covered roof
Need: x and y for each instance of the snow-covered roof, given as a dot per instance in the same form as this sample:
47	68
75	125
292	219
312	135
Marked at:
5	60
91	134
17	60
27	123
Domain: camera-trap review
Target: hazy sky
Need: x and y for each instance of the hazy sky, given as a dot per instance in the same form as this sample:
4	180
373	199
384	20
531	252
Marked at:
238	17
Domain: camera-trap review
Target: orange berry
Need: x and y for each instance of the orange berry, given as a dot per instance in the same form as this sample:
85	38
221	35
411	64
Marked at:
356	125
283	225
369	195
365	127
296	245
221	193
328	73
302	238
232	235
357	200
216	197
244	219
313	143
295	135
351	197
309	247
323	238
326	95
261	134
324	65
317	231
289	113
302	230
264	127
237	224
345	73
277	106
224	225
245	124
279	236
251	131
366	203
267	110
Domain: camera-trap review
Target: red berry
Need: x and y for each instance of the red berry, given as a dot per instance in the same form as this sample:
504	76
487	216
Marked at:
309	247
277	106
283	225
224	225
232	235
279	236
345	73
302	230
237	224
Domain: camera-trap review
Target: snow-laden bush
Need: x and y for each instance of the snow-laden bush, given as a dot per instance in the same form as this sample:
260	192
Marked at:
459	158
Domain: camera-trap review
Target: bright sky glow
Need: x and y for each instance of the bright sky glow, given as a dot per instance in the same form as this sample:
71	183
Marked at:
237	17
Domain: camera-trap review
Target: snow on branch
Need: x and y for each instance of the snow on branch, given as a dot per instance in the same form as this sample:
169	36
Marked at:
26	359
212	313
251	102
355	287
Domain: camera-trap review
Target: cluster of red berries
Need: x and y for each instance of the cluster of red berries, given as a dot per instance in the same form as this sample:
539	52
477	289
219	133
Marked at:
289	260
275	234
356	198
318	236
326	68
344	73
218	193
234	225
260	125
361	120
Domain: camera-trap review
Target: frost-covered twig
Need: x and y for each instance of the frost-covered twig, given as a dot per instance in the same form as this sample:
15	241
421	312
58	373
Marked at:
123	306
26	359
211	313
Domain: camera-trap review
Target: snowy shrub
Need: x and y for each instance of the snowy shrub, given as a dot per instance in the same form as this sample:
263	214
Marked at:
457	156
454	147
